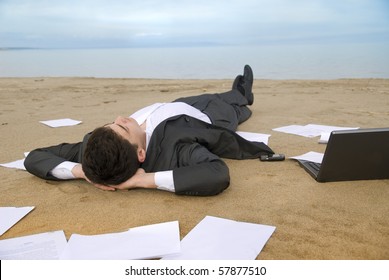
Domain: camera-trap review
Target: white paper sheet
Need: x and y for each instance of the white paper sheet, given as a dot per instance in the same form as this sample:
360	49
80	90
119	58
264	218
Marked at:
61	122
291	129
310	156
11	215
326	129
221	239
146	242
324	137
17	164
310	130
42	246
257	137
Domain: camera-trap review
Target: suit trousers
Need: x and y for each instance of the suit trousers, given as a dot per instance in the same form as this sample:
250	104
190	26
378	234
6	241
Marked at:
228	109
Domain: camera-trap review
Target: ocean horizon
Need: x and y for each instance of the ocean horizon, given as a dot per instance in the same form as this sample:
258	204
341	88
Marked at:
295	61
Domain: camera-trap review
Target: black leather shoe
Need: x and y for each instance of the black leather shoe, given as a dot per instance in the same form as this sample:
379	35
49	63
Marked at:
244	84
237	81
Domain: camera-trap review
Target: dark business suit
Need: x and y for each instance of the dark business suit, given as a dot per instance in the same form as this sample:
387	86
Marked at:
188	146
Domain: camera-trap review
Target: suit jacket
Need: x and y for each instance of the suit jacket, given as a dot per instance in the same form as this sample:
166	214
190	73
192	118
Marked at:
192	149
189	147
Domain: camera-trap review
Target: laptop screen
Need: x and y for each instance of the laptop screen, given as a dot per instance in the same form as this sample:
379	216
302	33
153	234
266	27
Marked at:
360	154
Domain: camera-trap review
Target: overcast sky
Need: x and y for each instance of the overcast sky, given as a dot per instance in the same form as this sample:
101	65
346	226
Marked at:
154	23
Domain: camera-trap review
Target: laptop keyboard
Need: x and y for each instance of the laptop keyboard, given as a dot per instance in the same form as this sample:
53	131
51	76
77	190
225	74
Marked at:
314	165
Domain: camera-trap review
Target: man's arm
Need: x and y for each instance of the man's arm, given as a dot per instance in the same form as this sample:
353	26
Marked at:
200	172
69	170
205	179
41	161
61	162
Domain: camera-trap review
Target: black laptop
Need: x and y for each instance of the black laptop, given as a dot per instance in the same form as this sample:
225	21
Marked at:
360	154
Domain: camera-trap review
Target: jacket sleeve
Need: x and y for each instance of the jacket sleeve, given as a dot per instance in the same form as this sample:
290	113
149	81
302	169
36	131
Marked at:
40	162
200	172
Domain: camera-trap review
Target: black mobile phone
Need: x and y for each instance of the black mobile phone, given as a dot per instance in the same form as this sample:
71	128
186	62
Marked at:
273	157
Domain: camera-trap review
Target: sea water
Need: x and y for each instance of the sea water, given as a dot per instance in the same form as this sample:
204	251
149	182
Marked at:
316	61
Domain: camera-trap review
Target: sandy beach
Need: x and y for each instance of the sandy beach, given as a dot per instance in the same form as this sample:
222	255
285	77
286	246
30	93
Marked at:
342	220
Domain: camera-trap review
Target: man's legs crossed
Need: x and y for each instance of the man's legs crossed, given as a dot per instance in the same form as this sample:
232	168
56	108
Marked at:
227	109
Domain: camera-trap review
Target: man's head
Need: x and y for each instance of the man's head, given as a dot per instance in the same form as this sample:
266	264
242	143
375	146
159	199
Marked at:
114	152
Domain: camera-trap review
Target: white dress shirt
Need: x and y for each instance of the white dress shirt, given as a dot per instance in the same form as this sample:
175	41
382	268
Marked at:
153	115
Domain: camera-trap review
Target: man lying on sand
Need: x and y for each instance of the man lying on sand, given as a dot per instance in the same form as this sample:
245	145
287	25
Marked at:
174	146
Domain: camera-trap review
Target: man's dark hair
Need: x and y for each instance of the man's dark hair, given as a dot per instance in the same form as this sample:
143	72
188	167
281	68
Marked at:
109	159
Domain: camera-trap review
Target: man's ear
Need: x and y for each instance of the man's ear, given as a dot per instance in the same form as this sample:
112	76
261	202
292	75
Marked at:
141	154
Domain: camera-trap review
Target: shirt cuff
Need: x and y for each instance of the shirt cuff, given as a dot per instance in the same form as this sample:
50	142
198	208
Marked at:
63	170
164	180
